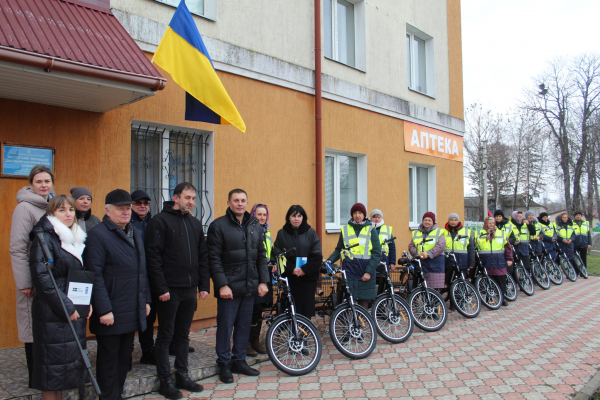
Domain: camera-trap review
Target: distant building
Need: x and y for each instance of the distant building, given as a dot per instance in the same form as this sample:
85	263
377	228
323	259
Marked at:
473	210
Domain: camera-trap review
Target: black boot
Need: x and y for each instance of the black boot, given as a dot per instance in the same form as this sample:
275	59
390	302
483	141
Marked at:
225	373
183	381
148	358
169	390
241	367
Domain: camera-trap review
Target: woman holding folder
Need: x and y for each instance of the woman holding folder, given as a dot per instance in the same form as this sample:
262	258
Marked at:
303	263
56	357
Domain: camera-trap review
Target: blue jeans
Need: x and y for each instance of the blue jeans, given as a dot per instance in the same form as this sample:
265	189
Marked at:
233	315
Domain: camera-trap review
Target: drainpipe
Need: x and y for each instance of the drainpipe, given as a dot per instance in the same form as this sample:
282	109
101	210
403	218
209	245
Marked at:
318	119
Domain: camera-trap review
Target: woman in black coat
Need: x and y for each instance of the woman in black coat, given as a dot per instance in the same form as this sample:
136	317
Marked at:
57	364
304	263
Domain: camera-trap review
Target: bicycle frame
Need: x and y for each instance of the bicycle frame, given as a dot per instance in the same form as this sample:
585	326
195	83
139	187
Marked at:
415	264
390	284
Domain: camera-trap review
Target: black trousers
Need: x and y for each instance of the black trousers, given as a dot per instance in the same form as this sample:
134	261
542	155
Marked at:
174	321
113	361
29	359
582	253
146	338
501	281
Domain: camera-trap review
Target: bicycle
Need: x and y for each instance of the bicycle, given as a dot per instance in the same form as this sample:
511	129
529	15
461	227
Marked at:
512	290
427	306
580	266
390	311
489	292
351	327
524	279
538	271
462	293
565	264
293	342
554	272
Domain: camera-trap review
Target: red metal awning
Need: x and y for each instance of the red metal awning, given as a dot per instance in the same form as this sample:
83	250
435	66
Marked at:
73	38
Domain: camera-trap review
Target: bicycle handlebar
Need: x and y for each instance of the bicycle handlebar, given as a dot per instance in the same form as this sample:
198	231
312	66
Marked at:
284	252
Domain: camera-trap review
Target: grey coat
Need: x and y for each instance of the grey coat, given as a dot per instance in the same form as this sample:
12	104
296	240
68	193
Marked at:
30	209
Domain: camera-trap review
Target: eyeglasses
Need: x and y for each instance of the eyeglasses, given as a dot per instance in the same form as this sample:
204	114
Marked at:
142	203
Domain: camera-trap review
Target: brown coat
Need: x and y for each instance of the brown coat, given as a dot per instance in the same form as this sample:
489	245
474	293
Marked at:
30	209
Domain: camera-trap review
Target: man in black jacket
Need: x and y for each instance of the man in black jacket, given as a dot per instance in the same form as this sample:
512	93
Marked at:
114	250
238	267
177	264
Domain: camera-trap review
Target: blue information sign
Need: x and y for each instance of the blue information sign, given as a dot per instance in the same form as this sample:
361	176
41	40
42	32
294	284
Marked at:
18	160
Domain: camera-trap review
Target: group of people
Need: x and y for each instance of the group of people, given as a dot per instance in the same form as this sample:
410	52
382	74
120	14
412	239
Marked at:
146	267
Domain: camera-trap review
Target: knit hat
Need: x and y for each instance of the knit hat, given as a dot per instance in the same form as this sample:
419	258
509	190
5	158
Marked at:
498	212
358	207
514	215
430	215
542	215
376	211
578	213
453	215
528	213
77	192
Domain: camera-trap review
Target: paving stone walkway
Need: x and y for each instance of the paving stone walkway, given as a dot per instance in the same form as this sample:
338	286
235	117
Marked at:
542	347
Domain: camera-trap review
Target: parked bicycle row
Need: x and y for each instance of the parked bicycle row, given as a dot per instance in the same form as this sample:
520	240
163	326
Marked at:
473	267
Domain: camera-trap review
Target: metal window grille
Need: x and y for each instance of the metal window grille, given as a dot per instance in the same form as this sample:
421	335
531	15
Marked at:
162	158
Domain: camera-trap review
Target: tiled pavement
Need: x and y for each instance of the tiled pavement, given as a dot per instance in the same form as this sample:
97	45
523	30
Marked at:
540	347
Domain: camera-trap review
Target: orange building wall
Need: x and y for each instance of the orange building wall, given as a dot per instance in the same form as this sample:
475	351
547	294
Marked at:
273	161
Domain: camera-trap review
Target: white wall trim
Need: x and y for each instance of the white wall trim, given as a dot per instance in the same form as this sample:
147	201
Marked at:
243	62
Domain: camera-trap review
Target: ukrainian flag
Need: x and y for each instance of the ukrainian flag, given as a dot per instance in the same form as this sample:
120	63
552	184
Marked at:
182	54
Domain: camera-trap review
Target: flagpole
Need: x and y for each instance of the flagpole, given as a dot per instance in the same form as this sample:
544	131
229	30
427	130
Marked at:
318	126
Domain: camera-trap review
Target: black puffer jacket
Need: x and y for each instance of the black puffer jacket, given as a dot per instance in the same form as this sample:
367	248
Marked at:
121	283
307	244
176	251
57	361
237	255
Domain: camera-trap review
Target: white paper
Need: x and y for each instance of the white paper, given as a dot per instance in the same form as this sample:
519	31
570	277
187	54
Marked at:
80	293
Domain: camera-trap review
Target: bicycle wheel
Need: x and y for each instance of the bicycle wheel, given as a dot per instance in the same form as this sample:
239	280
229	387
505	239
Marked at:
580	265
393	327
525	281
464	298
512	289
294	357
568	269
539	275
554	272
428	309
353	340
489	292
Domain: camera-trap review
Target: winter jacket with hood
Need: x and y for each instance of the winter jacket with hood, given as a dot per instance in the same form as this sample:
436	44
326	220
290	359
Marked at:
568	249
237	254
521	248
435	262
30	209
176	251
121	283
582	241
307	244
56	356
356	268
547	239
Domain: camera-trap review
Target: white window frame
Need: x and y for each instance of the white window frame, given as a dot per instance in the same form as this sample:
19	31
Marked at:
209	11
360	54
361	187
429	61
415	220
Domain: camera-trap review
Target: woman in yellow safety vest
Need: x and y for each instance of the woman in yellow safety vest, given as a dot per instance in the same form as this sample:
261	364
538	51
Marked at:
565	235
583	236
459	241
429	242
360	267
494	252
388	250
521	231
261	212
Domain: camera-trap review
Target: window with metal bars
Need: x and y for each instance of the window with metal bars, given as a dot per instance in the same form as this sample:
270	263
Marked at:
162	157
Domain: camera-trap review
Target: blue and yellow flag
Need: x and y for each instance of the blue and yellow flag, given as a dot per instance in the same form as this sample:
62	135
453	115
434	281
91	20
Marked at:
181	52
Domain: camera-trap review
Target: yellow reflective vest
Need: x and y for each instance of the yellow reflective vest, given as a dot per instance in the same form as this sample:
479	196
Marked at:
363	250
459	246
268	244
385	233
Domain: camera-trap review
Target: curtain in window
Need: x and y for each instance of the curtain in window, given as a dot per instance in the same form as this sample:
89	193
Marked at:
411	194
329	189
348	186
422	192
421	67
327	28
345	21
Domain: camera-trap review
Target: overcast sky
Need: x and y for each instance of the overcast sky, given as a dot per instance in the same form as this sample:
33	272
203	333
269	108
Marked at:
506	43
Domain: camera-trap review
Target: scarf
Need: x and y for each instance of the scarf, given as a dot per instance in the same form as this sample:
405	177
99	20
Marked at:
379	224
364	221
71	239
